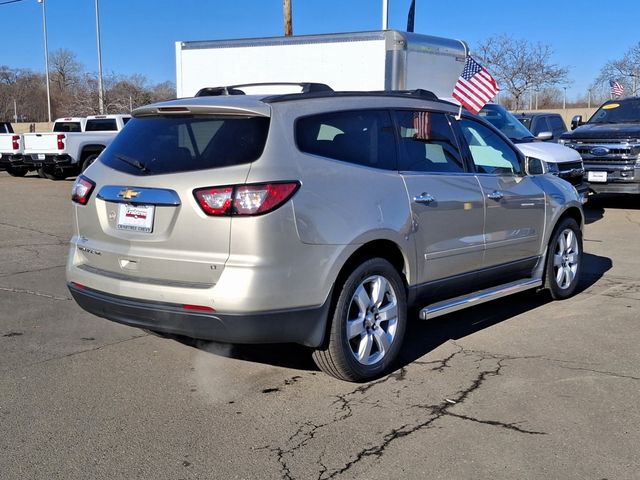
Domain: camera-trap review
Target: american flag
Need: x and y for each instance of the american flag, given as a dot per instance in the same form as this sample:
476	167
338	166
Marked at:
422	125
617	89
475	87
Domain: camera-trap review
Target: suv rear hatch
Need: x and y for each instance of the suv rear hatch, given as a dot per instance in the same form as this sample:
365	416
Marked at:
143	222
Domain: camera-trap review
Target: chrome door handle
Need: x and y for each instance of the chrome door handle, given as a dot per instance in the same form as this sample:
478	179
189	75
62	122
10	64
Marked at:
496	195
424	198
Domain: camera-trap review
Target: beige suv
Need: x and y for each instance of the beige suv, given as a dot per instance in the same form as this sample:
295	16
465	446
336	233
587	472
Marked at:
316	218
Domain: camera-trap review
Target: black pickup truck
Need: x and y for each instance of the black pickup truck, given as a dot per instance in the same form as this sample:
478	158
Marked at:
609	144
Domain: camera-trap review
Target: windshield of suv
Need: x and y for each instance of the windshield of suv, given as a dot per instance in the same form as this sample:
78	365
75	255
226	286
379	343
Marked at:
621	111
504	121
155	145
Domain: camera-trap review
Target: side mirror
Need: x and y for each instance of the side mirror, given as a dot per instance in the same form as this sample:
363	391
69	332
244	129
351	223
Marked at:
533	166
544	136
576	122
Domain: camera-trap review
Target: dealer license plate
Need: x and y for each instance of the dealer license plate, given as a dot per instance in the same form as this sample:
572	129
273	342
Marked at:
41	156
597	176
135	218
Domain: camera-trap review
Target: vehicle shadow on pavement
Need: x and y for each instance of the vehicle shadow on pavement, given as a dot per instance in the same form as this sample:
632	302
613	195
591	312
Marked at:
595	207
421	336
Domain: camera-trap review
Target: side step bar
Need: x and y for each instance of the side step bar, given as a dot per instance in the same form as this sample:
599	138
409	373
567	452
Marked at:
476	298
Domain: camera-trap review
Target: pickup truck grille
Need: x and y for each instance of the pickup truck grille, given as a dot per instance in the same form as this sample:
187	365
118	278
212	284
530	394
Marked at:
572	172
605	151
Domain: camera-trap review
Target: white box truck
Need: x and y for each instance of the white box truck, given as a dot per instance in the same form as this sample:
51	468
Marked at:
379	60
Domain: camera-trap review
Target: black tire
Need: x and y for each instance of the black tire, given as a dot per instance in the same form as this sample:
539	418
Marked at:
88	161
564	259
382	335
17	171
53	174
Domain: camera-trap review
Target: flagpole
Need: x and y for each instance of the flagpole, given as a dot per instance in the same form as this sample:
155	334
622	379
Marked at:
385	14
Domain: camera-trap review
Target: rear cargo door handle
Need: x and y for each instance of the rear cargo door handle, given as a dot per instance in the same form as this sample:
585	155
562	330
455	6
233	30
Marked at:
424	198
496	195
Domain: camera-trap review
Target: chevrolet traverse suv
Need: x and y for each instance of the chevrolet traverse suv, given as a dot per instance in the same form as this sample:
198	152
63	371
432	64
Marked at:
317	218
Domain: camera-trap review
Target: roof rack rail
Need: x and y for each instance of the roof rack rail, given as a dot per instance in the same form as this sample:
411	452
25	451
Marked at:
307	87
417	93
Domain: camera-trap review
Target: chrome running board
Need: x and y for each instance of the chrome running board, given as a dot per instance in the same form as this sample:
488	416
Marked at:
476	298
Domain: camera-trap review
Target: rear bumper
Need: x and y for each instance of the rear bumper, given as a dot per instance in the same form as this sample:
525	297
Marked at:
48	160
11	160
615	187
304	326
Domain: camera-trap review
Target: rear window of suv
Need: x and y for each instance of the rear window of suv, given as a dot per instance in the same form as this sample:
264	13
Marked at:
158	145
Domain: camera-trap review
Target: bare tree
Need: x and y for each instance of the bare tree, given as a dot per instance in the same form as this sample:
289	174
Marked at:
520	66
625	70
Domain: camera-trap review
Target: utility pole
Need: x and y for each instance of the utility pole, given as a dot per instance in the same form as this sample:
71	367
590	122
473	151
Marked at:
100	87
288	24
15	111
46	56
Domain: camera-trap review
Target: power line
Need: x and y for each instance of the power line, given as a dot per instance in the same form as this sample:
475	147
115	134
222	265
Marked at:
7	2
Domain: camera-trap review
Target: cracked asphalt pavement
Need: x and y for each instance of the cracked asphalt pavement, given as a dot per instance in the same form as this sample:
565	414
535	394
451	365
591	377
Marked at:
518	388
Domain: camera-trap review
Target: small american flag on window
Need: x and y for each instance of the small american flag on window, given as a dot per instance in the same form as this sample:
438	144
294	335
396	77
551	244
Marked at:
421	125
475	87
617	89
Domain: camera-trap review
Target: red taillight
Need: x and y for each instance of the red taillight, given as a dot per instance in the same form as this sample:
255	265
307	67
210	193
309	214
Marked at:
244	199
198	308
61	138
15	142
82	190
214	201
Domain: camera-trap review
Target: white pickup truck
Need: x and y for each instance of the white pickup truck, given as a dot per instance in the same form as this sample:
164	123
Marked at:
11	151
72	146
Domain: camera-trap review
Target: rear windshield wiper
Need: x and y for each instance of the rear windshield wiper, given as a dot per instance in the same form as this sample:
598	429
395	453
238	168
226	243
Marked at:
133	162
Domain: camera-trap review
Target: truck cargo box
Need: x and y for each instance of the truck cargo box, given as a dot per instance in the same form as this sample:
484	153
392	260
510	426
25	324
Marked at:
377	60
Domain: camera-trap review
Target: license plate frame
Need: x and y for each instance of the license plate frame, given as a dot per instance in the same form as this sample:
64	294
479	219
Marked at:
135	218
598	177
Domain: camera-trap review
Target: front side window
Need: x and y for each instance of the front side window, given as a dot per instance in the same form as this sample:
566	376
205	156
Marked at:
155	145
490	153
362	137
427	143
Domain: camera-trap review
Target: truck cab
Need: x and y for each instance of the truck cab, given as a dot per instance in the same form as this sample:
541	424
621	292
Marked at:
609	144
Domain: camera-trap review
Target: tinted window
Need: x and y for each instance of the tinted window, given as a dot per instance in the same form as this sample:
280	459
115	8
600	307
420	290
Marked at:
125	120
67	127
526	122
427	143
503	120
363	137
178	144
490	153
618	112
541	125
557	124
101	125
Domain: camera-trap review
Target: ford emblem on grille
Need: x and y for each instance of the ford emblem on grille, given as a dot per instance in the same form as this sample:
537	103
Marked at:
599	151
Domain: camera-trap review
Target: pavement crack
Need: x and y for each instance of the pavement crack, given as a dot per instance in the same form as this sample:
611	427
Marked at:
80	352
443	363
62	240
35	270
33	292
603	372
509	426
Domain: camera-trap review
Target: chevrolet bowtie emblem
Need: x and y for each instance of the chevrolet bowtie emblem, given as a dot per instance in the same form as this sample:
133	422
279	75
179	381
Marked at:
128	194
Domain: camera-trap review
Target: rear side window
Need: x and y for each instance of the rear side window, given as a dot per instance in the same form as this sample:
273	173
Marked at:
67	127
101	125
557	124
427	143
362	137
157	145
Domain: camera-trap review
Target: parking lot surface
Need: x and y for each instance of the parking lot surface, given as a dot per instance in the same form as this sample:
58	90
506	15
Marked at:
518	388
